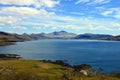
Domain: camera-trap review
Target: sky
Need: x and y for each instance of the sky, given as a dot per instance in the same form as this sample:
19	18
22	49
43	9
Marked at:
77	16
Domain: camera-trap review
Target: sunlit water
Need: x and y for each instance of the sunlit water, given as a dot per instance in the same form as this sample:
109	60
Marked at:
98	53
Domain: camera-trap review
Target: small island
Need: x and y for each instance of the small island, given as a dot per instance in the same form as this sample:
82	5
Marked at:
9	56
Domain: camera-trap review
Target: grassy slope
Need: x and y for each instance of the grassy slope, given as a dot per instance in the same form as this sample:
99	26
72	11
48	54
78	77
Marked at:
36	70
33	67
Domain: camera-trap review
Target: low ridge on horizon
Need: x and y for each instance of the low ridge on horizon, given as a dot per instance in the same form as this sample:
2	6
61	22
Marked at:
56	35
58	31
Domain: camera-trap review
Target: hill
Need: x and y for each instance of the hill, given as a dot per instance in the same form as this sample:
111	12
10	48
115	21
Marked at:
9	38
55	35
114	38
67	35
93	36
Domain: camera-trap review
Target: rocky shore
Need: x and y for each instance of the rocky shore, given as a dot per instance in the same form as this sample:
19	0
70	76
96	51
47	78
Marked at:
9	56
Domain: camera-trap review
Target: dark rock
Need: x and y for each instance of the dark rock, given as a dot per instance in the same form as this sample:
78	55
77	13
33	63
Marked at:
9	56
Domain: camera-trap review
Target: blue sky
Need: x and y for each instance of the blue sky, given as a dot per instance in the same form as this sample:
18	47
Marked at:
77	16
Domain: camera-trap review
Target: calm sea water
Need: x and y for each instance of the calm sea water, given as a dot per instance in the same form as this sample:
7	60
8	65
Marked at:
98	53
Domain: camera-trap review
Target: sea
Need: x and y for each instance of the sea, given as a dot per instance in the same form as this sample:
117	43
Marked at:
97	53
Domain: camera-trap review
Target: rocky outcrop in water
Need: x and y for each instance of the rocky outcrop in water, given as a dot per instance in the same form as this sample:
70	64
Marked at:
9	56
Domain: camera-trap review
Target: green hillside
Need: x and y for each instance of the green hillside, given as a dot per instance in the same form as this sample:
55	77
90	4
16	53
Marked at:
39	70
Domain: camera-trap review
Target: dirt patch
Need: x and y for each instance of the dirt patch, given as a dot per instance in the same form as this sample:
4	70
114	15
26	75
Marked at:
45	66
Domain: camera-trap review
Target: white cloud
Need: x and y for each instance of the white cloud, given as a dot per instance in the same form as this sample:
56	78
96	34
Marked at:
99	27
1	24
8	19
78	13
111	12
117	16
18	28
93	2
98	2
20	10
54	28
40	25
106	13
43	19
81	1
17	2
56	22
37	27
72	23
25	11
37	3
102	1
49	3
115	24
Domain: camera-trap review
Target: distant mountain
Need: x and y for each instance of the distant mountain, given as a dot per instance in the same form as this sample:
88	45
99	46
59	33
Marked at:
39	35
115	38
15	37
9	38
93	36
61	34
4	34
55	35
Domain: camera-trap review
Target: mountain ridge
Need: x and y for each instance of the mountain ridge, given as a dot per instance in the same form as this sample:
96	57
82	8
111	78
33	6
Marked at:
8	38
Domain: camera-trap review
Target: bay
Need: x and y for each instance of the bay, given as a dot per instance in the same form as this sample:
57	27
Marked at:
98	53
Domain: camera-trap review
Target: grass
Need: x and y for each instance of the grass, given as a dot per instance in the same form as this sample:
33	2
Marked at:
38	70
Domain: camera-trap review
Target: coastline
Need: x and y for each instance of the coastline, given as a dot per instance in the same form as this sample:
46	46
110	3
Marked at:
6	43
46	70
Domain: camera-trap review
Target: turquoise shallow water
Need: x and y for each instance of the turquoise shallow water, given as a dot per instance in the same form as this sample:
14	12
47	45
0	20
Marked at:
98	53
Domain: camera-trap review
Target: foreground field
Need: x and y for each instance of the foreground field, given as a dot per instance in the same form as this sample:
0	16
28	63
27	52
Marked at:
39	70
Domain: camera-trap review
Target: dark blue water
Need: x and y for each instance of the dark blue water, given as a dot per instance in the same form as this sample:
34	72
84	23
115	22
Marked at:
98	53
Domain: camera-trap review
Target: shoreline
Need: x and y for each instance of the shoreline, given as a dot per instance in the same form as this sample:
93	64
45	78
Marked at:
4	43
57	62
55	68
